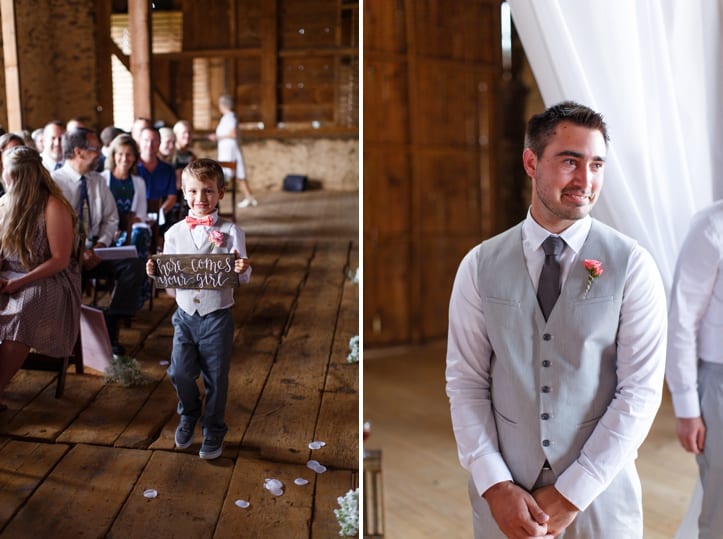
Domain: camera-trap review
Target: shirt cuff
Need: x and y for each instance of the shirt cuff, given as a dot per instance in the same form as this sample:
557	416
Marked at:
489	470
686	404
578	486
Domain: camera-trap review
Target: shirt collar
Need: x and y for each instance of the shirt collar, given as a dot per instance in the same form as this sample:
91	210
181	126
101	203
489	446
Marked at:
74	174
574	235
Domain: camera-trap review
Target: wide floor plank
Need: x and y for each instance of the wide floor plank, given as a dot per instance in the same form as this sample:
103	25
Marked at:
190	493
268	516
81	496
23	466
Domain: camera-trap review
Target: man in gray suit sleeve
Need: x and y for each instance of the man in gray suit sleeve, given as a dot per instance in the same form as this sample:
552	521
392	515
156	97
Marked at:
556	350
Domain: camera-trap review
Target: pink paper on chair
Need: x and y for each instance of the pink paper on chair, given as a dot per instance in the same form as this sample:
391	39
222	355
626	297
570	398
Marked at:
97	352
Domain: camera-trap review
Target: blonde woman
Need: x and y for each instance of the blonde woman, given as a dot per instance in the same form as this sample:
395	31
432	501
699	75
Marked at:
39	278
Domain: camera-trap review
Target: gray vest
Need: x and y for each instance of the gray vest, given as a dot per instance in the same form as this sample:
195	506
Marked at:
202	300
551	381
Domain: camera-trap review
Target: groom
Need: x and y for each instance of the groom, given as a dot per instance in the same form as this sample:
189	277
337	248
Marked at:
556	348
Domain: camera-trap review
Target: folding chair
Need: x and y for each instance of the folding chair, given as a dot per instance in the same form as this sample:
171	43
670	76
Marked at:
154	208
230	185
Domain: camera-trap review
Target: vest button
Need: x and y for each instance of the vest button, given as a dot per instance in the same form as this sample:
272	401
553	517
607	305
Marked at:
545	443
545	389
547	337
545	416
546	363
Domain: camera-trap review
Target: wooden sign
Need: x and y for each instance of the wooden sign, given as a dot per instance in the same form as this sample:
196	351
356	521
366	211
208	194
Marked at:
195	271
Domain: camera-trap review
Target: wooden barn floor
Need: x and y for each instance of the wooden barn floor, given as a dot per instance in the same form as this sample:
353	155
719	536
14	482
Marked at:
78	466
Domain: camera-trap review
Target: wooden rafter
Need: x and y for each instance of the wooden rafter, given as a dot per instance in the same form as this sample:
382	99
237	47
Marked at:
139	23
12	69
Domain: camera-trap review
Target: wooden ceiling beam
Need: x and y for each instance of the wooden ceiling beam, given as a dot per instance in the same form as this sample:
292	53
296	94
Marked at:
139	25
12	69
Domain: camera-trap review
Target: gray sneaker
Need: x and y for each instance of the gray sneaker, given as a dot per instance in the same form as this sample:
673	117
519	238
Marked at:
211	448
184	432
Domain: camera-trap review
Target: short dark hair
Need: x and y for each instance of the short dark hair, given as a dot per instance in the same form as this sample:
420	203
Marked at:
7	138
541	126
109	133
76	138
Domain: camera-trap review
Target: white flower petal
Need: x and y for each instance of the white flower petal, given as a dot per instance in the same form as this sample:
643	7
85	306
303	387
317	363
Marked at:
271	484
301	481
243	504
276	491
317	444
314	465
150	493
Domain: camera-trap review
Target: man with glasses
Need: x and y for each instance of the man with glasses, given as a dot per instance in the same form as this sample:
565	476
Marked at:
89	194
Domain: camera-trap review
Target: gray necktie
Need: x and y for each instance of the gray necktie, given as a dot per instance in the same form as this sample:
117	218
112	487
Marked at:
548	289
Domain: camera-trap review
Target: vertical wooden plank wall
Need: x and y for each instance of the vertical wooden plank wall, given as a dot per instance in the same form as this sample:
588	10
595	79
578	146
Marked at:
431	72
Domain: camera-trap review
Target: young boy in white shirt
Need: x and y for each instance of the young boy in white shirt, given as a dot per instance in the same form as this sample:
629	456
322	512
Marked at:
203	323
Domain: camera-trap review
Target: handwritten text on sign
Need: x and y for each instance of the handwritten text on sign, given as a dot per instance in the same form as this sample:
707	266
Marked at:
195	271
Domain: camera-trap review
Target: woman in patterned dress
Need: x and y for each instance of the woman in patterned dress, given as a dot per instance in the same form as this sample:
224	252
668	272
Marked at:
39	278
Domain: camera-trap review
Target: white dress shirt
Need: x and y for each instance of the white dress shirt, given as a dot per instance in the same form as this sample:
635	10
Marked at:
103	208
49	163
640	368
695	324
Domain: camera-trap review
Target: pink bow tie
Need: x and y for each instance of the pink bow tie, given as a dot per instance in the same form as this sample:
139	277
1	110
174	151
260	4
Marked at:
193	222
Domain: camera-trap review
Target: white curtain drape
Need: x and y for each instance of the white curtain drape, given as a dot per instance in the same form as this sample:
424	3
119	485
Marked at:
653	68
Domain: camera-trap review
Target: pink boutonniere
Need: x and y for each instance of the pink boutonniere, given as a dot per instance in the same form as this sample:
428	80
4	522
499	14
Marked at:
594	269
216	238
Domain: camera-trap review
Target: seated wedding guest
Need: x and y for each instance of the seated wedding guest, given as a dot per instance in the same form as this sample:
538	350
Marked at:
182	157
159	176
88	192
129	191
27	137
183	154
106	137
52	152
39	278
168	145
139	124
75	123
37	136
8	140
